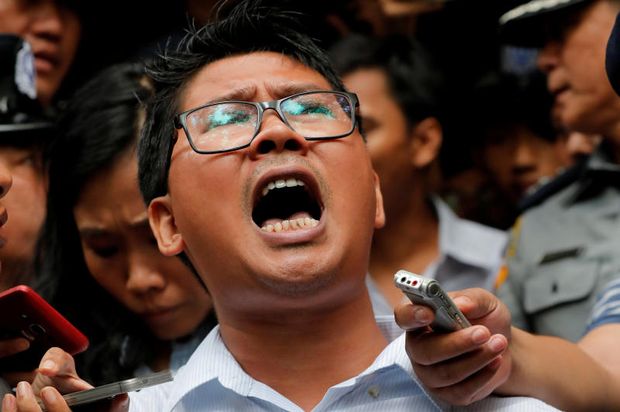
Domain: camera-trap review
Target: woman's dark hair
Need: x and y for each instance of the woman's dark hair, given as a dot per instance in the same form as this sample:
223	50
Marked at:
243	27
100	123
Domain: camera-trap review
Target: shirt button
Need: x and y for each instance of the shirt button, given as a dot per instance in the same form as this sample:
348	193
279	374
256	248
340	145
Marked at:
374	391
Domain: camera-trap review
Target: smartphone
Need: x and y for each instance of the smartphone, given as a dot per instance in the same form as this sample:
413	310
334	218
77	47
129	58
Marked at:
428	292
111	390
26	314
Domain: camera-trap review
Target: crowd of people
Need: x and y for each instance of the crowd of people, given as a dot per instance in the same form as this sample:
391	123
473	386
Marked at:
230	201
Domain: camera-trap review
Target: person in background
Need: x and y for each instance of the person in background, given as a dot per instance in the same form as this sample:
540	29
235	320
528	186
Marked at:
52	28
518	148
583	375
22	129
564	250
400	97
97	259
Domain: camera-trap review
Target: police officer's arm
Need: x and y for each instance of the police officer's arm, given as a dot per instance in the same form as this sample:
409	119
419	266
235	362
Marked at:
465	366
563	373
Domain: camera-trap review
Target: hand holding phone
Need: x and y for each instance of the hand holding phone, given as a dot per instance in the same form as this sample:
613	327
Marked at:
428	292
113	389
26	314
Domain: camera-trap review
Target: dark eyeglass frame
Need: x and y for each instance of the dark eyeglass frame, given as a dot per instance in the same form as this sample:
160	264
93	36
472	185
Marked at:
180	120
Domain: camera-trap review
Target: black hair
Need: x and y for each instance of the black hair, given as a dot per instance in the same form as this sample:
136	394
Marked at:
99	124
413	81
500	101
248	26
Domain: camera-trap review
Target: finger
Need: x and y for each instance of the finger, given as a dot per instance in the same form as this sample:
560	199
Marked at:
10	347
475	303
474	388
120	403
53	401
9	404
57	362
411	317
26	401
457	370
431	348
57	369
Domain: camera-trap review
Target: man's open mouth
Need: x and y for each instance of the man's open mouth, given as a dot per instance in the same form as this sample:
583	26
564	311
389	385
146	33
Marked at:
287	204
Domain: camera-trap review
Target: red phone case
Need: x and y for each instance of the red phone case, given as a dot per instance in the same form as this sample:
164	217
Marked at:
24	313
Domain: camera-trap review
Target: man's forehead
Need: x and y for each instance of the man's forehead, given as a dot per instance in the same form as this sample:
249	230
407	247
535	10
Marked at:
248	76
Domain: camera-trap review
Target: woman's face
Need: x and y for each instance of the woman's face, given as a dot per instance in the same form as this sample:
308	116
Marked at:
122	255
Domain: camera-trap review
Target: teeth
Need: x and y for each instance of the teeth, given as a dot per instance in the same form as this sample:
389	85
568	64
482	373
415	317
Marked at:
291	225
280	183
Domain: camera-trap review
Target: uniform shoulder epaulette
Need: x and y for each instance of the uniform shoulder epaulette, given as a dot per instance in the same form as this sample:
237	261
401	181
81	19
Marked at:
560	182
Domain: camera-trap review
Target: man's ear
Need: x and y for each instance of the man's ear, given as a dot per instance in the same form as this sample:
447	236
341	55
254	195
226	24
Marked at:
426	137
164	227
379	211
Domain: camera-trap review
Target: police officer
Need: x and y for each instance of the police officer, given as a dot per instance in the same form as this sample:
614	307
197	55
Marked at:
565	250
23	128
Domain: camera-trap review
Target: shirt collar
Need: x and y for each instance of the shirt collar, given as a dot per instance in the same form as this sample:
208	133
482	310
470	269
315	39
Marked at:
466	241
213	362
598	173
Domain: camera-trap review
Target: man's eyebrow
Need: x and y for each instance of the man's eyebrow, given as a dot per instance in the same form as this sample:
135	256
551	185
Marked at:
286	89
245	93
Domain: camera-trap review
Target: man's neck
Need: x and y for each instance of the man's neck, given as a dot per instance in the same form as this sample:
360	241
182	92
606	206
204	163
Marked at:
409	241
302	356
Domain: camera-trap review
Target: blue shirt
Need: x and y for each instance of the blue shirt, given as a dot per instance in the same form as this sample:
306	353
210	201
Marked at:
212	380
607	307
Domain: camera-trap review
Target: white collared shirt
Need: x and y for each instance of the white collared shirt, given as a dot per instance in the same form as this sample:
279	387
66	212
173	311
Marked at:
470	255
212	380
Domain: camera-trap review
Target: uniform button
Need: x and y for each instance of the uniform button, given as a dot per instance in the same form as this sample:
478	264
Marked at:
374	391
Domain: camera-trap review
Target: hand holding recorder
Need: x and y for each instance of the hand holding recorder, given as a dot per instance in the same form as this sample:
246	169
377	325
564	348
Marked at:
463	365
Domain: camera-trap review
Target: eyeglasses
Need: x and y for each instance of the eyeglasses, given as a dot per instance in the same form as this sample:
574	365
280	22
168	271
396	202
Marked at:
232	125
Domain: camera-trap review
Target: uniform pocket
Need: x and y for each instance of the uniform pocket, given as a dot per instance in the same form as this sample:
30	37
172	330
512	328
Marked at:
559	283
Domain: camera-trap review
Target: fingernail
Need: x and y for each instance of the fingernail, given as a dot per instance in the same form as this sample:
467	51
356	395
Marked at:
49	396
8	403
48	364
495	363
23	344
461	300
24	390
479	335
497	344
422	316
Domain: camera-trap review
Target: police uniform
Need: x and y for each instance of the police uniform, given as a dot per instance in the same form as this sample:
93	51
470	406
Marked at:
563	252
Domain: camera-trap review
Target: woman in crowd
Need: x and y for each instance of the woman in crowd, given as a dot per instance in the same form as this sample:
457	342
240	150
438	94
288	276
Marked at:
98	261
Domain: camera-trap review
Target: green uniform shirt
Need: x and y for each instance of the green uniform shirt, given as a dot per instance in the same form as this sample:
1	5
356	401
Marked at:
564	251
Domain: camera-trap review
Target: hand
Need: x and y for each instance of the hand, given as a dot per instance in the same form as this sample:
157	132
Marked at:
56	369
54	402
467	365
10	347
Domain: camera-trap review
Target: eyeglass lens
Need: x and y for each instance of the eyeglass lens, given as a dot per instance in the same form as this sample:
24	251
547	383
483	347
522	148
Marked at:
225	126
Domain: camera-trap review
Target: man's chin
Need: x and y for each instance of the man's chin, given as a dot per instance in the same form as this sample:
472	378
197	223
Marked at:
296	285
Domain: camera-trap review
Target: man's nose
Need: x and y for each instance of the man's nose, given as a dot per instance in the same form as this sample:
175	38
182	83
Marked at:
276	136
549	56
